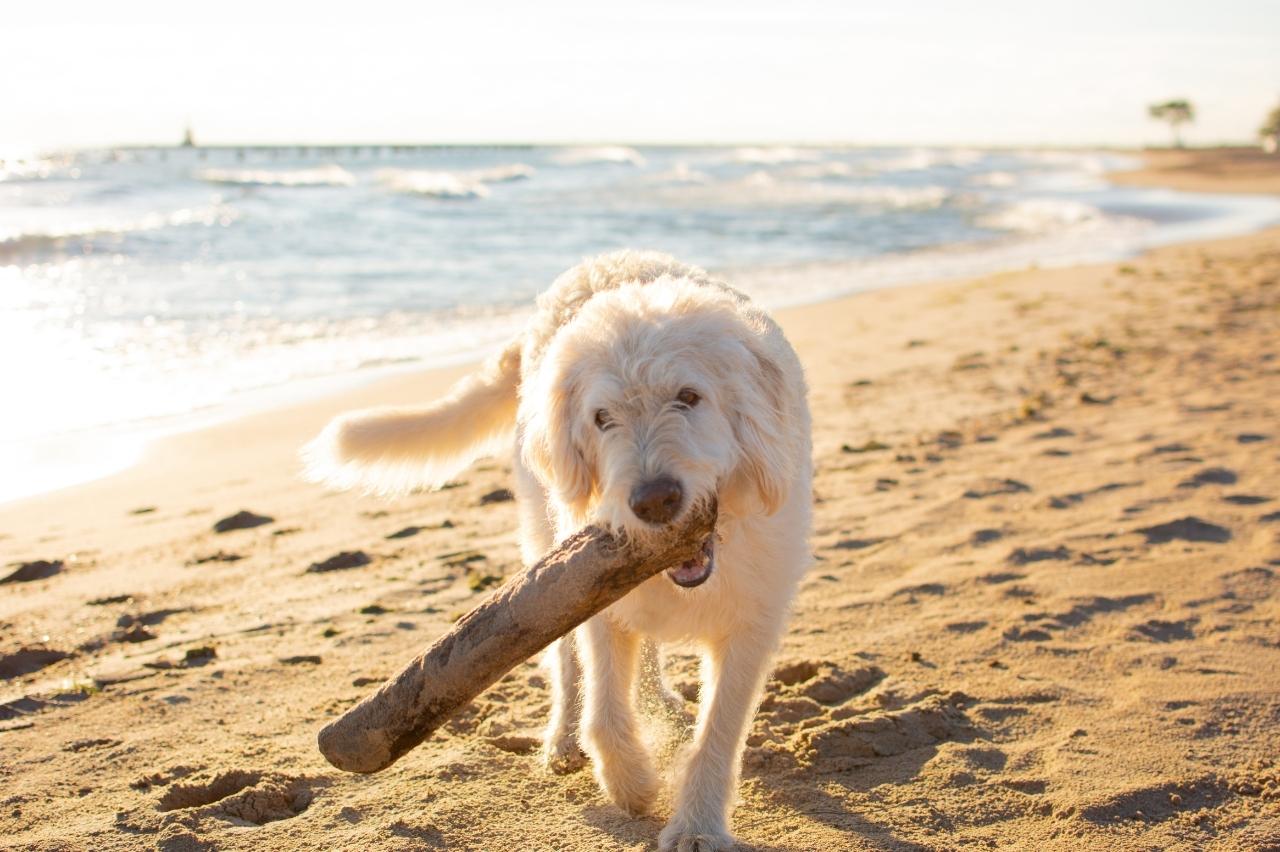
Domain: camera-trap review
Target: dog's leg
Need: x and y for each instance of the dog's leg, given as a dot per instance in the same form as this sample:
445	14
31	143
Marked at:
561	751
622	763
733	674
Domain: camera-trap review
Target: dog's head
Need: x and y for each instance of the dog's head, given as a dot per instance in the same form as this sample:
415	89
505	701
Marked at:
655	397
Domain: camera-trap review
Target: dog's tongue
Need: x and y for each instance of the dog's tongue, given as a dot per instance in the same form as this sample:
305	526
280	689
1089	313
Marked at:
695	571
690	573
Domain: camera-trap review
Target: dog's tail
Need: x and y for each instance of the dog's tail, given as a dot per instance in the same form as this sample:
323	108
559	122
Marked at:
394	450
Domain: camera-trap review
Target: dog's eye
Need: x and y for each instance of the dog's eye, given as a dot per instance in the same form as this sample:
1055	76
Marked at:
688	398
603	420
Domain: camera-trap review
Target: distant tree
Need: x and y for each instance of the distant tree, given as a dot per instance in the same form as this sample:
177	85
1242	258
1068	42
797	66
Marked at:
1177	113
1270	131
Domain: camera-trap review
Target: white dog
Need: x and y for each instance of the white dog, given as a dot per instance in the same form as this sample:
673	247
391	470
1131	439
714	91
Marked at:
640	387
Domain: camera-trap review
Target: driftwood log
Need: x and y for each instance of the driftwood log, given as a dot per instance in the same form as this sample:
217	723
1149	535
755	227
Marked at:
583	575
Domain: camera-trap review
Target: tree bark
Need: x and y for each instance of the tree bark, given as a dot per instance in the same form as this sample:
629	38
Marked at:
581	576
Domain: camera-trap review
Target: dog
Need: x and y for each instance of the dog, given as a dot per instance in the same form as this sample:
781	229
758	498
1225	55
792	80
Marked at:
640	387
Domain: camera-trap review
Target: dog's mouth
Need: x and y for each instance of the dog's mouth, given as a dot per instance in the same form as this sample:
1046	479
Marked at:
694	572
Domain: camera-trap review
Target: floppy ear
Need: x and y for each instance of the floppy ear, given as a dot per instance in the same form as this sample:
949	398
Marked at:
550	443
759	425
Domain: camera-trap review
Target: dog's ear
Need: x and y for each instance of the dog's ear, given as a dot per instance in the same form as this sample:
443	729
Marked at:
760	427
552	448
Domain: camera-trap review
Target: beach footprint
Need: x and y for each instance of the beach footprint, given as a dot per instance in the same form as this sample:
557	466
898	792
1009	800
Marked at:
254	797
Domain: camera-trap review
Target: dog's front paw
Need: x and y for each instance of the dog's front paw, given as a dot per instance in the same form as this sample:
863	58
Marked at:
680	837
562	754
632	786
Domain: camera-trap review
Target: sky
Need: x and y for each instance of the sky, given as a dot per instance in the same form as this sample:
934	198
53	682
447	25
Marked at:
985	72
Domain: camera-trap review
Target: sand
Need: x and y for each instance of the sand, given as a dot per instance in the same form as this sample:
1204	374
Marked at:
1207	170
1045	612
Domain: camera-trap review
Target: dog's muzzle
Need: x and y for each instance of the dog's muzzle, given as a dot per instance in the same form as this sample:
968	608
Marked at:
694	572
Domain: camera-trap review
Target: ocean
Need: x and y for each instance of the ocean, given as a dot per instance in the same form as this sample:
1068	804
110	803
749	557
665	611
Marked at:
148	290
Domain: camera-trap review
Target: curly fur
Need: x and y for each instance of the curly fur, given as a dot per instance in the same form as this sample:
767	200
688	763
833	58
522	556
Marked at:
623	335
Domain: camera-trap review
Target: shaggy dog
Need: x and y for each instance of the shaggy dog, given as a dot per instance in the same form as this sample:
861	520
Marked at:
640	387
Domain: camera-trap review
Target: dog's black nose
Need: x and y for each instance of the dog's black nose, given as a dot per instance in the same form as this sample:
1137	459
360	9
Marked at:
657	501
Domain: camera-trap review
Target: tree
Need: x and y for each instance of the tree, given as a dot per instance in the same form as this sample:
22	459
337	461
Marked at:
1270	131
1177	113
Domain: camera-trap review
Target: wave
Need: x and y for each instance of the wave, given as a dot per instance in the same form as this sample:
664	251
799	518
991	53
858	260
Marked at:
681	172
761	188
825	169
921	159
437	184
445	184
330	175
620	155
1044	216
772	156
1087	161
898	197
1072	170
996	180
37	168
431	183
503	174
27	243
870	195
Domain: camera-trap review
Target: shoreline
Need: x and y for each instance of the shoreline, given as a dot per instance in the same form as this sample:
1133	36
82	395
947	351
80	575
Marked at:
291	425
1243	170
1042	612
133	444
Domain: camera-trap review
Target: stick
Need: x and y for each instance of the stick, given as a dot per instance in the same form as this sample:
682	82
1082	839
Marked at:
583	575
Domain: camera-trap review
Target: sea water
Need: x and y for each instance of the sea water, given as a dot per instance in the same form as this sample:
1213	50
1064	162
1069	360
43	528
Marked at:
149	289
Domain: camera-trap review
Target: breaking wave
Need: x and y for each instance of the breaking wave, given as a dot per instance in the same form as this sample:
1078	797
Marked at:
431	183
772	156
821	170
504	173
23	244
995	180
920	159
681	172
1044	216
446	184
621	155
330	175
765	189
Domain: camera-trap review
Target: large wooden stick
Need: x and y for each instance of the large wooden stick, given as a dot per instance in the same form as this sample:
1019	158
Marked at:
583	575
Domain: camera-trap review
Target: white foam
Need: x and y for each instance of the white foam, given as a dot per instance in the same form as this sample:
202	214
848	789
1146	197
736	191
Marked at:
22	242
772	156
920	159
504	173
607	154
818	171
681	172
469	183
997	180
1044	216
329	175
431	183
769	189
900	197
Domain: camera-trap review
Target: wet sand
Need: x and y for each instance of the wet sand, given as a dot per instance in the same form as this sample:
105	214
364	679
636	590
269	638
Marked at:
1045	611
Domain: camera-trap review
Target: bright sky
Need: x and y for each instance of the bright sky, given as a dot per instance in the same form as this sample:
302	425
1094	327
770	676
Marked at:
923	72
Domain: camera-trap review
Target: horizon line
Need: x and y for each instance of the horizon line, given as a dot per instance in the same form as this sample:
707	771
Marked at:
334	145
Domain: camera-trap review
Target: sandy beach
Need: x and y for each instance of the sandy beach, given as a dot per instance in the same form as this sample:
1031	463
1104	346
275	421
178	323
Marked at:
1247	170
1044	613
